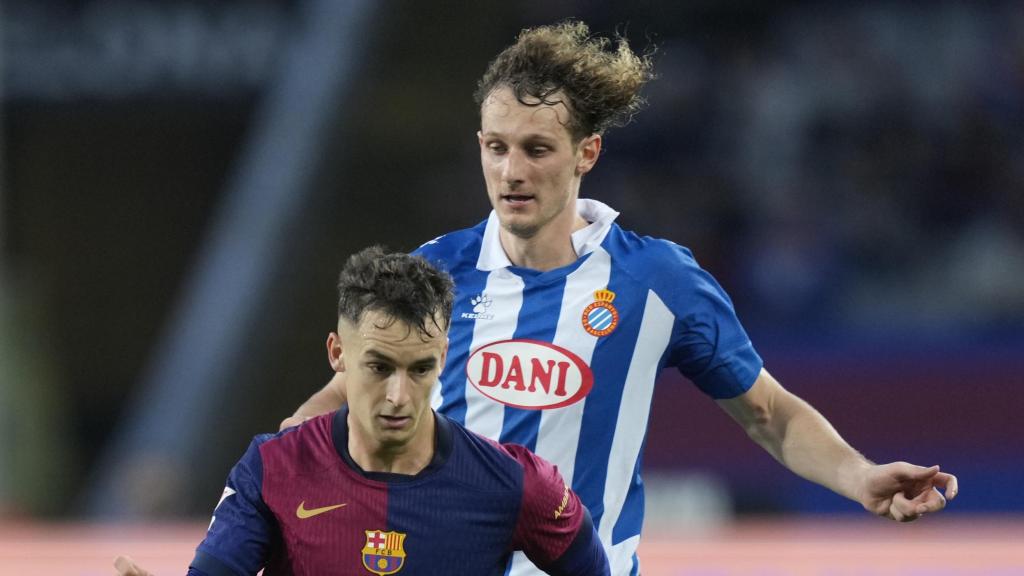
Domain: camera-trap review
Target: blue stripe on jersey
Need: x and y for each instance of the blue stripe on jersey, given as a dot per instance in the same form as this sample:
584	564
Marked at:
468	286
631	520
602	408
453	392
535	321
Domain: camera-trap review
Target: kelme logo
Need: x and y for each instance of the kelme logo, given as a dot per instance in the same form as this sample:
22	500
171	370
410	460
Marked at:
529	374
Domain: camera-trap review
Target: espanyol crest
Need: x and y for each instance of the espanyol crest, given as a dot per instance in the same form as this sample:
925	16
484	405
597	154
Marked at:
600	317
383	553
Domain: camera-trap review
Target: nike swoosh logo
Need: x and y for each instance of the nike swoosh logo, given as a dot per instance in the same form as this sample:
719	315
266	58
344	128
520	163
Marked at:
303	513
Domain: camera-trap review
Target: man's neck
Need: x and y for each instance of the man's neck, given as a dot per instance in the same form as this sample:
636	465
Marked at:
409	459
548	249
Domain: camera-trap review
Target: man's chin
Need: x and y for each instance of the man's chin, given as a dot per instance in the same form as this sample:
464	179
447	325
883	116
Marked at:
393	438
519	228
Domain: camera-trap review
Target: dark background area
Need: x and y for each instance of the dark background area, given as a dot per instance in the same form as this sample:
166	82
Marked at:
852	173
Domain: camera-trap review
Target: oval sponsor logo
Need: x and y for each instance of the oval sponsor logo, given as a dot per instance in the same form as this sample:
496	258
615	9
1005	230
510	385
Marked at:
529	374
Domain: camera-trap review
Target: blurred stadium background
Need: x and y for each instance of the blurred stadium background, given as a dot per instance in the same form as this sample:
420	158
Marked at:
181	181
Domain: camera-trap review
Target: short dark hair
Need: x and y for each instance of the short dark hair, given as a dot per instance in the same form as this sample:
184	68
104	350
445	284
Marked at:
403	287
602	86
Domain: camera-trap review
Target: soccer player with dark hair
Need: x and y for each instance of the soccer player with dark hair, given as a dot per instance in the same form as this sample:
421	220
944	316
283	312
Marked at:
562	320
385	485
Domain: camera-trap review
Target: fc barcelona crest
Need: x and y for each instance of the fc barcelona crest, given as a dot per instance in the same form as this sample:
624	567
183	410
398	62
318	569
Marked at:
600	317
383	553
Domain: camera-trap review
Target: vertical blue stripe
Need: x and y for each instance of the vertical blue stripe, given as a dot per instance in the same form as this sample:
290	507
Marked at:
631	520
538	320
468	285
610	364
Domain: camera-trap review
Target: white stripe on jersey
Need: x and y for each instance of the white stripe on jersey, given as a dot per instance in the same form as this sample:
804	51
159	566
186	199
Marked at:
559	435
620	556
435	397
483	415
655	333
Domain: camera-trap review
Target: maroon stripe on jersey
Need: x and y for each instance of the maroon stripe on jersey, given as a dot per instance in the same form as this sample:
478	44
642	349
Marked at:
323	507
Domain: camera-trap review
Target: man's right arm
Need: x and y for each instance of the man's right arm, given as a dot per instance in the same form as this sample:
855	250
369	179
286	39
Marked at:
243	529
327	399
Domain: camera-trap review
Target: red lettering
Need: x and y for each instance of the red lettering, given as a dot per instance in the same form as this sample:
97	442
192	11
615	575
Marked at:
492	369
538	374
515	374
563	371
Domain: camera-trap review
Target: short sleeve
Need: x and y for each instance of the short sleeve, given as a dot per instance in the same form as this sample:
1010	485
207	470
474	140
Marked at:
708	343
550	515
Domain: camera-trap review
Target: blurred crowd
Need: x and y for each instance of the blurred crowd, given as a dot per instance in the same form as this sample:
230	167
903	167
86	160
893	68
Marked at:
843	168
860	167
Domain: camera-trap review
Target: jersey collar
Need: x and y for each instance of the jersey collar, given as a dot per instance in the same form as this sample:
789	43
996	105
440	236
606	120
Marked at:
584	241
442	448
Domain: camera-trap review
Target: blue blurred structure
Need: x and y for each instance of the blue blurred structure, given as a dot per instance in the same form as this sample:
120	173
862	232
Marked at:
851	173
192	375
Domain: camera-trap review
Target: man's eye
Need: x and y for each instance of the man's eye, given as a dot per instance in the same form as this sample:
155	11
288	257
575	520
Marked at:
539	150
496	148
378	368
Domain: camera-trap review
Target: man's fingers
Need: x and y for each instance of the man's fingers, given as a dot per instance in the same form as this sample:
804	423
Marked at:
933	502
913	472
948	484
903	509
127	567
292	421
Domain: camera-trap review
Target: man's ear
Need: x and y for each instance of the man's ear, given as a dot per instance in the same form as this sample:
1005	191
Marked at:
588	151
334	352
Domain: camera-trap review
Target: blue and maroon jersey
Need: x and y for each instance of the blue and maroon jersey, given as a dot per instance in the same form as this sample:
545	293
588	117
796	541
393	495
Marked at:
297	503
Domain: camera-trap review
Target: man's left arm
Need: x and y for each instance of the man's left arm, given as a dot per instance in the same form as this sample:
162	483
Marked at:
799	437
554	528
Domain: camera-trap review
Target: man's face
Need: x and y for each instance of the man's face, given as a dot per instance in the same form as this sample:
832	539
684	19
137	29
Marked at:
530	164
390	370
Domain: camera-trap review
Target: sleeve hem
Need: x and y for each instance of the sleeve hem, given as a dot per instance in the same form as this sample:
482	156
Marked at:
211	565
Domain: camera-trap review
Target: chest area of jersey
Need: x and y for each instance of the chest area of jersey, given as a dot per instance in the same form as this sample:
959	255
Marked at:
534	345
328	521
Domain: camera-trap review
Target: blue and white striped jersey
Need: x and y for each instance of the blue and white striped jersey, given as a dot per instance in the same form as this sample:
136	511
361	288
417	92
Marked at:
565	361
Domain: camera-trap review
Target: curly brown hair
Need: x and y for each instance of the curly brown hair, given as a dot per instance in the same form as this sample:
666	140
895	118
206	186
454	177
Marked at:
601	86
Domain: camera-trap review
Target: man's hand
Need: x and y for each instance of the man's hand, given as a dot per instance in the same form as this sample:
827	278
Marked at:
904	492
127	567
292	421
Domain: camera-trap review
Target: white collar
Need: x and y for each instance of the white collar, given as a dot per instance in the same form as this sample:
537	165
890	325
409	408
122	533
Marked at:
584	241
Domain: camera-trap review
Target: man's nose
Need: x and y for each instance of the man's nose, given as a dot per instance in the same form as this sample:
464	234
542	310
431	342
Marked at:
512	170
397	392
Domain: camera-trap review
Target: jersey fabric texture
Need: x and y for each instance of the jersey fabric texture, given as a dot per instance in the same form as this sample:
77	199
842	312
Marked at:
599	331
296	503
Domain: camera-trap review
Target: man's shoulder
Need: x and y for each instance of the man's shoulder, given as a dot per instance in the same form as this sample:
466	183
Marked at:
506	451
646	256
451	248
306	443
502	460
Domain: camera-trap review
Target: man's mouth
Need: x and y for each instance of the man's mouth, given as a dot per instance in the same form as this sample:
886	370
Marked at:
516	199
394	422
